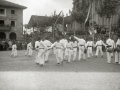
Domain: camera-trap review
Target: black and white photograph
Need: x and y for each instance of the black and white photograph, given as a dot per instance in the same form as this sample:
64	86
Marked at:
59	44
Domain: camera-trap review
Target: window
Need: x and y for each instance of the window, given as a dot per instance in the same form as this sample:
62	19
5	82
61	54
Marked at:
13	23
1	22
2	11
12	11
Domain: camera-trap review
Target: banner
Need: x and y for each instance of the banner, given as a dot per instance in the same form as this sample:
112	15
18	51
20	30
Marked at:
88	13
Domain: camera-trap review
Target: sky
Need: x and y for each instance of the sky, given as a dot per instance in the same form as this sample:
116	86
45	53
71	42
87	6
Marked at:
43	7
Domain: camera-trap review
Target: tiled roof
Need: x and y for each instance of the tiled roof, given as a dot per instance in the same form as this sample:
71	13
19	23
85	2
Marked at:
4	3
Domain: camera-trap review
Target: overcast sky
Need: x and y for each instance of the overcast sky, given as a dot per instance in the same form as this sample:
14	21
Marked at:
43	7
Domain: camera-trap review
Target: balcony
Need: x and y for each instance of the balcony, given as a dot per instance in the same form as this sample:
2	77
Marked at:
5	28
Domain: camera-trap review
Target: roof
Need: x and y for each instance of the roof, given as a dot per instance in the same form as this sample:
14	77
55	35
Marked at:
4	3
35	18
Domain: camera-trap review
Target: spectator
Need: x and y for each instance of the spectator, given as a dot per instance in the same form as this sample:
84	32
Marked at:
20	45
10	44
6	45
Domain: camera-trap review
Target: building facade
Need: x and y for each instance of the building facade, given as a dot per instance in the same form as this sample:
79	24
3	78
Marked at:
11	20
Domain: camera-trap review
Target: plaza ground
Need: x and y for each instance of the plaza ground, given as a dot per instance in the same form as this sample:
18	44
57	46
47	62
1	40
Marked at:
24	63
21	73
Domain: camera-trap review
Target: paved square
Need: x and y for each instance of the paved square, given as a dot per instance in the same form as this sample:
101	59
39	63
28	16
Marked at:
21	73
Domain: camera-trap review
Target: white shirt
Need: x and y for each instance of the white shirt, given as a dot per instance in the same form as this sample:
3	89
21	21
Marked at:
118	42
69	45
47	43
109	42
74	44
29	45
42	45
89	43
14	47
37	44
100	42
57	45
113	42
81	41
63	42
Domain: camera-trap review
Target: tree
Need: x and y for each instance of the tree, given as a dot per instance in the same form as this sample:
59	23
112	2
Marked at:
108	8
67	20
80	10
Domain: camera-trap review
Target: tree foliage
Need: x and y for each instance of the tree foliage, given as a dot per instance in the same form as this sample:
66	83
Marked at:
108	8
67	20
80	10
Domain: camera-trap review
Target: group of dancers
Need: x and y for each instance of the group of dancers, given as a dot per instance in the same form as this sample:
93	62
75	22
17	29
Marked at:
66	48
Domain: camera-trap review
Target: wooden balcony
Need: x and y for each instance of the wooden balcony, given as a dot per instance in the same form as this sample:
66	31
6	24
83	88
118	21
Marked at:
5	28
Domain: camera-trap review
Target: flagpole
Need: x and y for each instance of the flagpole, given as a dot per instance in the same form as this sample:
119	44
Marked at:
37	22
54	25
93	19
63	22
58	17
87	16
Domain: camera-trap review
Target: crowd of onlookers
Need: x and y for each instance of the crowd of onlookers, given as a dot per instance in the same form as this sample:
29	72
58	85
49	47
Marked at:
7	45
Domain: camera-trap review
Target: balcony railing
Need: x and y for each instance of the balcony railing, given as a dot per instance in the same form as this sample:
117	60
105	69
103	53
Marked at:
5	28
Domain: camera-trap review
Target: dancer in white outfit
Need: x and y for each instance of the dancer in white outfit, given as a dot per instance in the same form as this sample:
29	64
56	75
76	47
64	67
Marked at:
68	51
117	52
109	47
41	48
90	45
14	50
63	41
37	46
98	46
75	46
48	44
29	49
82	47
59	50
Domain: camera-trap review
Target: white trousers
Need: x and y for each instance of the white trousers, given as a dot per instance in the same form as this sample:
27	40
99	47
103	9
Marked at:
68	54
99	48
111	54
40	57
59	55
74	52
47	53
117	57
108	57
14	52
29	52
81	52
89	52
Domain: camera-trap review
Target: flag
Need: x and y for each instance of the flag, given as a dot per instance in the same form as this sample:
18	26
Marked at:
92	31
95	31
88	13
58	17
